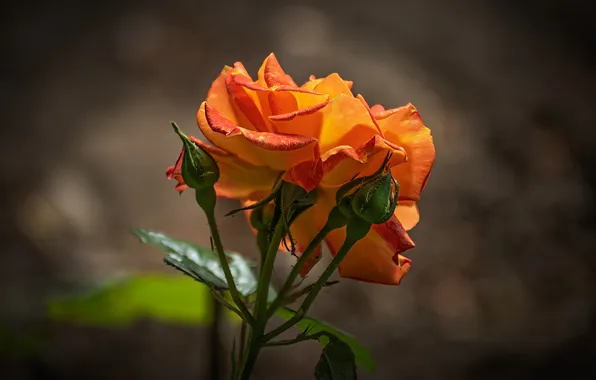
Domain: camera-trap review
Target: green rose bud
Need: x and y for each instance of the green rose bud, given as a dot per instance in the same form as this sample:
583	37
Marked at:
372	198
199	169
375	200
262	217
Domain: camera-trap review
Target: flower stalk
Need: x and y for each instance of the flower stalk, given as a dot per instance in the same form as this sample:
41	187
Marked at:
206	199
334	221
260	309
356	230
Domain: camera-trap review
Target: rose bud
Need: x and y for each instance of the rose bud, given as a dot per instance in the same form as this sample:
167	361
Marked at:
261	217
375	200
199	169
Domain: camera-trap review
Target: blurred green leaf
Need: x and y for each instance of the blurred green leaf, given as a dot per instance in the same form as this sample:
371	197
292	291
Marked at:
362	354
174	299
336	362
201	263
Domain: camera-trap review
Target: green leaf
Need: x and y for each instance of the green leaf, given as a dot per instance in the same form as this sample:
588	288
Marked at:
336	362
174	299
201	263
362	354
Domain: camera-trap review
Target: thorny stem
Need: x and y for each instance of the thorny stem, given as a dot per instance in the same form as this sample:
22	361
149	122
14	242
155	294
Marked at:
267	270
356	231
207	203
287	286
335	220
298	339
255	336
241	350
225	302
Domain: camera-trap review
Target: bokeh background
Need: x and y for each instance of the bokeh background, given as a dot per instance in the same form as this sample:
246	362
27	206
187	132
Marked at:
503	279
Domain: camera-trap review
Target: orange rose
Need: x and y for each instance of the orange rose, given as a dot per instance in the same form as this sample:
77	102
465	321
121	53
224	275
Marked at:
320	136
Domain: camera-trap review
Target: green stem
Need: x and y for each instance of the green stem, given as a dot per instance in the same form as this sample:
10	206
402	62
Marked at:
252	354
298	339
263	245
287	286
206	199
307	289
225	302
356	230
260	310
266	272
242	342
241	350
334	221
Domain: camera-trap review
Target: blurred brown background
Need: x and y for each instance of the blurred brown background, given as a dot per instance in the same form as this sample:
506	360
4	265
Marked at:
503	279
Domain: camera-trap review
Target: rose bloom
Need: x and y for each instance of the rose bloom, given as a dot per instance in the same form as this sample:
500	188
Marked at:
320	136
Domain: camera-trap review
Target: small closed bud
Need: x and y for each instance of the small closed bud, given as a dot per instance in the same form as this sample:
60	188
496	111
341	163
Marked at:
345	194
371	199
261	217
199	169
376	199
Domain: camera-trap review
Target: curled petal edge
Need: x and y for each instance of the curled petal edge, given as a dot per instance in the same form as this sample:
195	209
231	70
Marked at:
266	140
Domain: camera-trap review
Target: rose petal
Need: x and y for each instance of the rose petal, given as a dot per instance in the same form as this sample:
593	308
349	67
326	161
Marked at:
175	172
239	179
377	108
300	112
363	101
271	74
342	121
218	96
288	100
346	121
333	85
404	127
254	102
407	213
275	150
239	66
306	122
314	82
361	98
375	258
250	98
343	163
307	174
